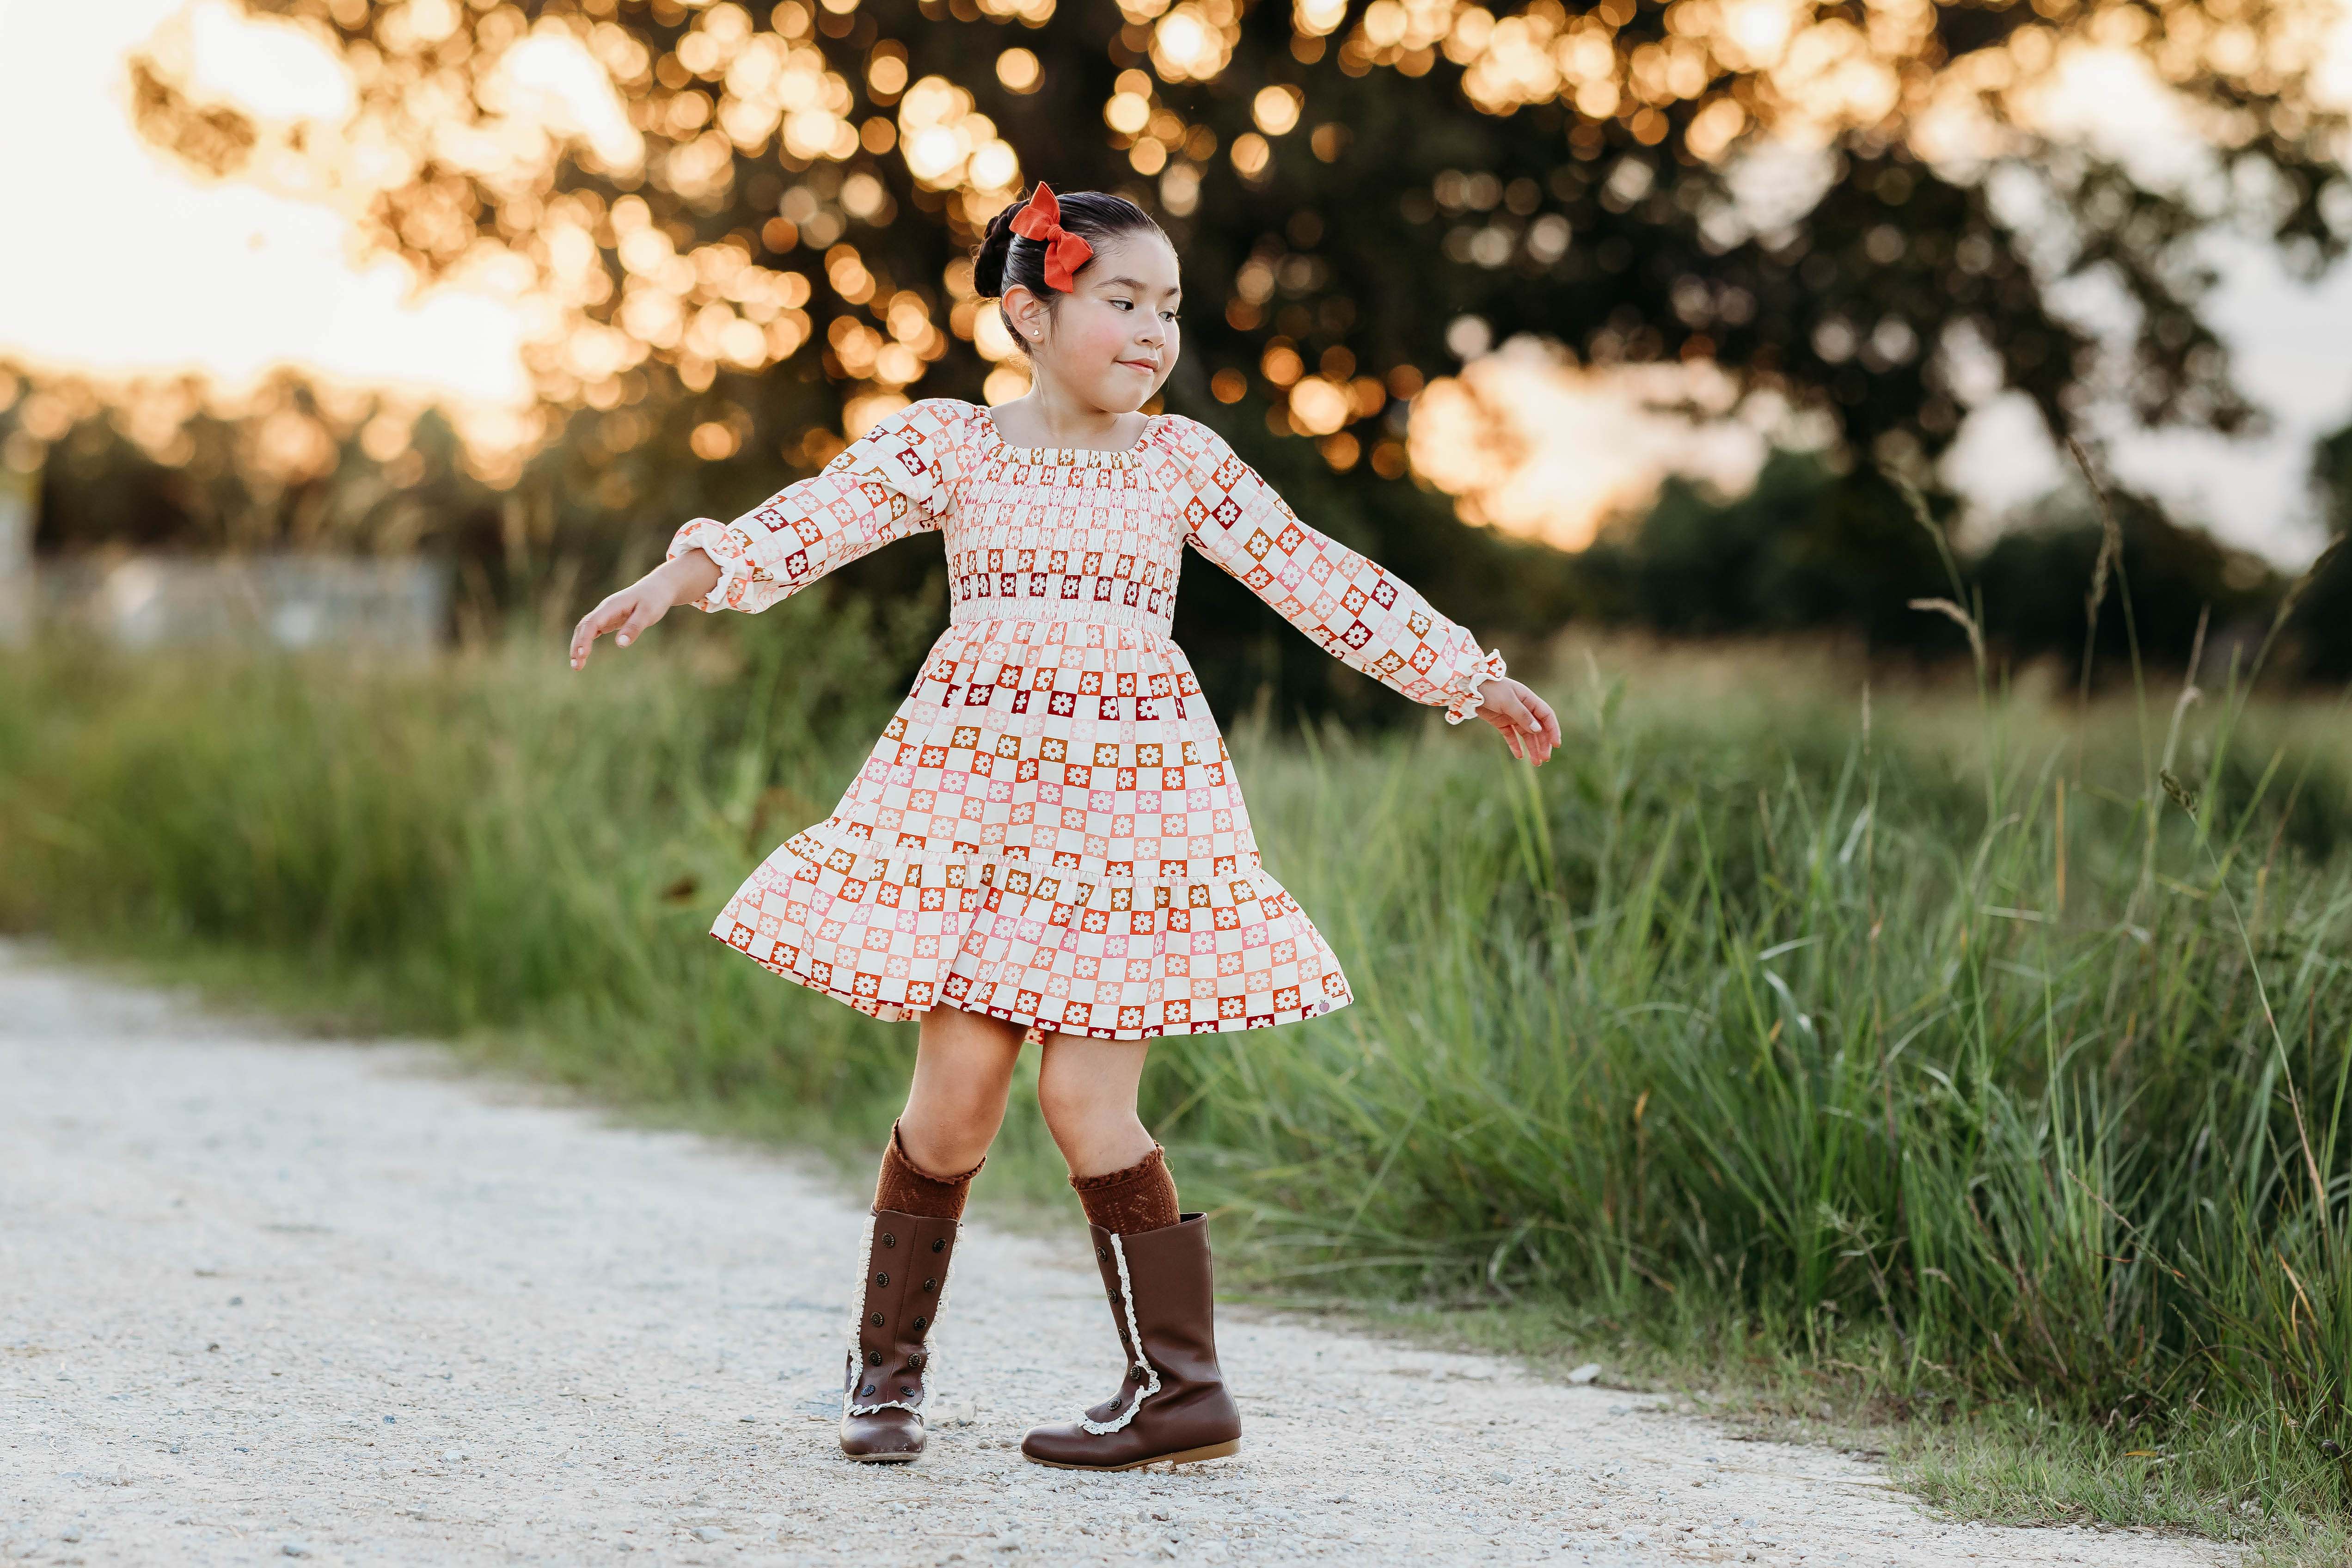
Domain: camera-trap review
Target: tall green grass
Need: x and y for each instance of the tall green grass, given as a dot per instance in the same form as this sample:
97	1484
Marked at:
1992	1045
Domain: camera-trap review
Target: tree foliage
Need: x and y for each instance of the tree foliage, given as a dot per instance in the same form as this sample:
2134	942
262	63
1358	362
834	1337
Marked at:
767	244
1345	179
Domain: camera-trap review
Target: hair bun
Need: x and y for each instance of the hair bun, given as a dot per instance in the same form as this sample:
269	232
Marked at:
995	248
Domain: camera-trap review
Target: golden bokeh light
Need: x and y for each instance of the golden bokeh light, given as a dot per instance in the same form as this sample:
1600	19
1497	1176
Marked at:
948	146
713	442
1316	18
1018	69
887	74
1194	40
1127	112
1005	383
1180	189
1318	407
1276	110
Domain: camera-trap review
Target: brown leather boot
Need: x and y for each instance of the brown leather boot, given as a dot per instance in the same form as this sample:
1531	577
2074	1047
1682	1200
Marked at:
882	1389
1174	1405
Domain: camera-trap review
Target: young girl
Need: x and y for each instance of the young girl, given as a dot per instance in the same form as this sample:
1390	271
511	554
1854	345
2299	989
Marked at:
1049	839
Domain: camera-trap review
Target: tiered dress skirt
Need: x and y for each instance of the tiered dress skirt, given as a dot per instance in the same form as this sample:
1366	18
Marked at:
1049	832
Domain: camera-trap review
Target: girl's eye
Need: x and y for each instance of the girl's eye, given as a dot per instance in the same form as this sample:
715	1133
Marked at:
1124	304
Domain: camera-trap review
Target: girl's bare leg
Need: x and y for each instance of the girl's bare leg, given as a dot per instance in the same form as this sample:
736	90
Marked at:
963	1071
1087	1089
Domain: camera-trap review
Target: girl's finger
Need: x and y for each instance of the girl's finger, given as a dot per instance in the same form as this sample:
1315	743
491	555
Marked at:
1551	720
641	615
592	625
583	639
584	636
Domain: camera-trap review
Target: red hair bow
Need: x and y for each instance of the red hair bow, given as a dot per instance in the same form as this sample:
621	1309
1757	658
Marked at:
1065	251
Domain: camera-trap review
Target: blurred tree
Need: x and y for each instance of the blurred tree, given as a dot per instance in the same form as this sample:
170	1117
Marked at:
1807	546
772	245
1345	179
2331	480
157	468
2032	584
2320	625
1810	546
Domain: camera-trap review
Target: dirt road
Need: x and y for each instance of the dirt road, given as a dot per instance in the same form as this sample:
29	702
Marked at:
264	1298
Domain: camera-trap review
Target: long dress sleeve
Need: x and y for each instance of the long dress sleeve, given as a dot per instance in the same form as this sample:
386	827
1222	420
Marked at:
890	483
1357	612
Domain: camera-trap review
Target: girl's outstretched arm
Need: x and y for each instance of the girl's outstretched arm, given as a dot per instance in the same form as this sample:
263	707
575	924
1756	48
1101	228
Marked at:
684	579
890	483
1357	612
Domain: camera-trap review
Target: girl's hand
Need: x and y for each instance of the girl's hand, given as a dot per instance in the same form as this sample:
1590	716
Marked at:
629	612
1529	725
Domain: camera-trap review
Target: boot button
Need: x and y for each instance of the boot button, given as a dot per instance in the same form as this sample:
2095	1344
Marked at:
881	1279
1103	1253
931	1285
919	1325
914	1362
889	1240
940	1243
876	1320
873	1358
904	1390
865	1391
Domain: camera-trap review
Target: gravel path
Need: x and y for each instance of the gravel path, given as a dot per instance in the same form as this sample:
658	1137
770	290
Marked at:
262	1298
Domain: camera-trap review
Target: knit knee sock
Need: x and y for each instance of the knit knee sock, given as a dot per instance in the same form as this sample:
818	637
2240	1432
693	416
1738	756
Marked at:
902	1189
1141	1197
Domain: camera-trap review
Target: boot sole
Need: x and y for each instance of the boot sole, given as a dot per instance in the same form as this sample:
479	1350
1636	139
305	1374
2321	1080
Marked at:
1182	1457
882	1458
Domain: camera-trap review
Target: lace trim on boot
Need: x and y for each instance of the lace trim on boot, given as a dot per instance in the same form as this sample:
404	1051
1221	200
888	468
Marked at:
1134	1337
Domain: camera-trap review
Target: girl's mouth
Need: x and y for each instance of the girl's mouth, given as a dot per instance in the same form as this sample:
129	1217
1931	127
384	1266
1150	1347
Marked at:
1149	367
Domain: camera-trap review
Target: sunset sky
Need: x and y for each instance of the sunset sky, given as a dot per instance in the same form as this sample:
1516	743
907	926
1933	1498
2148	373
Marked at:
122	265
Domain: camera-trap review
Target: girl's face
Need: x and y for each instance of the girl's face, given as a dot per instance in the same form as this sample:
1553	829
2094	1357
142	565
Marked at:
1112	340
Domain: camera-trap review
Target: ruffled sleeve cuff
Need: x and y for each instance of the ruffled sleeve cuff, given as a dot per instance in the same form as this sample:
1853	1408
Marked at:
728	550
1464	696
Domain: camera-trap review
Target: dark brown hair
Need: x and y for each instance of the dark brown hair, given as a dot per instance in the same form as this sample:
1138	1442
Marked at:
1005	258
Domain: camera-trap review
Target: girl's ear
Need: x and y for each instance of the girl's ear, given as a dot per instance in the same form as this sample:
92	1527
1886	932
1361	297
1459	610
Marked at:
1029	313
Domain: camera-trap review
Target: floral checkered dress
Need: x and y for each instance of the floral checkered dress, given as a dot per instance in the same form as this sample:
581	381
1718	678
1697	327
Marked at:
1049	830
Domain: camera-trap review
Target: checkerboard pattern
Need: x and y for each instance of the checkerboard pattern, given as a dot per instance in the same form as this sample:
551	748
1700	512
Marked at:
1049	830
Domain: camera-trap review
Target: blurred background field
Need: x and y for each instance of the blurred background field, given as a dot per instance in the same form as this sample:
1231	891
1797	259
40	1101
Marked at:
1912	1009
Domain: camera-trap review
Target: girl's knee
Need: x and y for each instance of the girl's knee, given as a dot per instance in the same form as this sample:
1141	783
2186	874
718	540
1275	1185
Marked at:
974	1106
1071	1103
1060	1099
1085	1125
